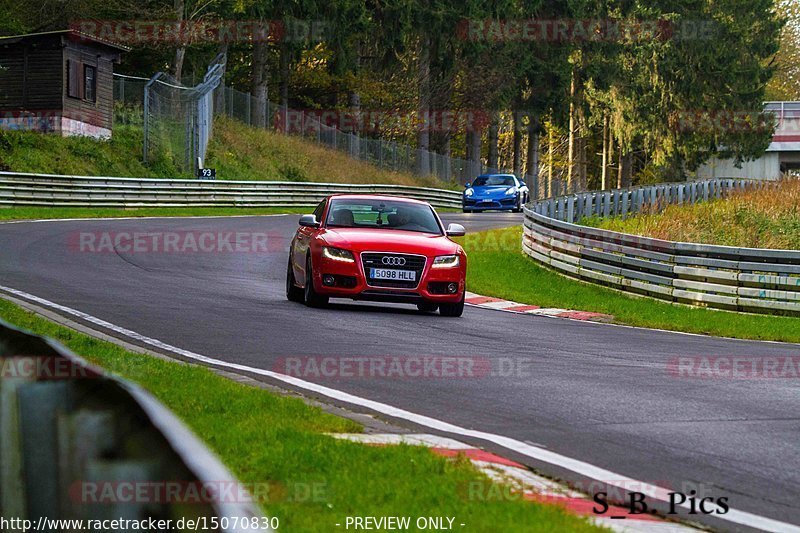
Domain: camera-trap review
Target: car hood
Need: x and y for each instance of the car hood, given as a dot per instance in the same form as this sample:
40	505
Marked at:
363	240
491	191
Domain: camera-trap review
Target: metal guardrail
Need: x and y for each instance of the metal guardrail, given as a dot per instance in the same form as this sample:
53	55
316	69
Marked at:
78	444
24	189
725	277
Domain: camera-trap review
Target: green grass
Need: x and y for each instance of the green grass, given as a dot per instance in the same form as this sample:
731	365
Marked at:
22	151
497	267
32	213
268	438
241	152
237	151
766	218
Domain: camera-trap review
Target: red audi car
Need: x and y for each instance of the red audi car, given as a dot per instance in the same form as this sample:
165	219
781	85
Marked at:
377	248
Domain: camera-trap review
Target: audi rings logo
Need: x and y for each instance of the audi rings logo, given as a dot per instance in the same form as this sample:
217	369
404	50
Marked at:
394	261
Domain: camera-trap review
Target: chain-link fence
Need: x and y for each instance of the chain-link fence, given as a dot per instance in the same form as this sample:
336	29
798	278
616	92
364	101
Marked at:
178	120
385	154
128	100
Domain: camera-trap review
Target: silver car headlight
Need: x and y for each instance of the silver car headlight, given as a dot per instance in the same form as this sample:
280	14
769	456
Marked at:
469	192
446	261
337	254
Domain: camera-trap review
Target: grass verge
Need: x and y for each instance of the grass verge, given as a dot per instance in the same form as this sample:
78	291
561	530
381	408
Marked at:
237	151
240	152
497	267
766	218
268	438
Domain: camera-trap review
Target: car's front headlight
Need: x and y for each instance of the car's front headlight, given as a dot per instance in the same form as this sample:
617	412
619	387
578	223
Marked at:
511	191
469	192
337	254
446	261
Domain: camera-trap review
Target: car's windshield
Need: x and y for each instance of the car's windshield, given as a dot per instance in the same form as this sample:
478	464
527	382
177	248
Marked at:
382	214
498	181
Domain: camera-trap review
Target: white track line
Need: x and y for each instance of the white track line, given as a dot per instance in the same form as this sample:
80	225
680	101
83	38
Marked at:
534	452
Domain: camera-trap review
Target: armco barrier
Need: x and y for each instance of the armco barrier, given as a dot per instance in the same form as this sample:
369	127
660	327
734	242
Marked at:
23	189
740	279
78	444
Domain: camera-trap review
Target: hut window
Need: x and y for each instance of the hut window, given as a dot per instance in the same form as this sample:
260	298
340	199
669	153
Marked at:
89	83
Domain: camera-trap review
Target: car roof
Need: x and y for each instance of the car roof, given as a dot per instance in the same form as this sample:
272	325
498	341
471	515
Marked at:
378	197
500	174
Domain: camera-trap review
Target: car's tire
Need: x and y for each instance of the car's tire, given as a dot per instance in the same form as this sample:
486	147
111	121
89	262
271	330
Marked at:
456	309
427	307
465	210
293	292
311	296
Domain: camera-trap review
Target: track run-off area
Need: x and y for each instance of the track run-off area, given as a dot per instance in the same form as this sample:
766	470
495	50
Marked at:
580	401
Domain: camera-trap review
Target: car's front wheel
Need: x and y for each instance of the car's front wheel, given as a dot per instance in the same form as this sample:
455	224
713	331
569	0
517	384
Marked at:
293	292
456	309
312	297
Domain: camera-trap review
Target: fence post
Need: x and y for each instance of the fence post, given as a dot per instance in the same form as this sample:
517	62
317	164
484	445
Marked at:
570	209
587	204
624	210
146	104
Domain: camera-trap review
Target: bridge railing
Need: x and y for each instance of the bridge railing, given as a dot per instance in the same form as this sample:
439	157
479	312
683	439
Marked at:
725	277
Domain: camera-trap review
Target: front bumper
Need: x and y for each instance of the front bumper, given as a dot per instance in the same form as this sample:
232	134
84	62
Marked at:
351	282
509	202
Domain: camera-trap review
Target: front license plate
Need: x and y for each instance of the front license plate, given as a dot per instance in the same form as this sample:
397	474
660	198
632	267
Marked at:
397	275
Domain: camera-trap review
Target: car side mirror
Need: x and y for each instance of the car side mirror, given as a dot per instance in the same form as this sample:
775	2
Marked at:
309	221
466	185
456	230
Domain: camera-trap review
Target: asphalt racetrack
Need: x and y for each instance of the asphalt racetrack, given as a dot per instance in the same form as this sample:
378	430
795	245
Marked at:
602	394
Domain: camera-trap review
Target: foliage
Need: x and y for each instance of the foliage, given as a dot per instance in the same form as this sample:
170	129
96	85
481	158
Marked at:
706	59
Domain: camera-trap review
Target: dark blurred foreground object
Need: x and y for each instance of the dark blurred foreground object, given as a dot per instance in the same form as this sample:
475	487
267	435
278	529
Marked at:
76	443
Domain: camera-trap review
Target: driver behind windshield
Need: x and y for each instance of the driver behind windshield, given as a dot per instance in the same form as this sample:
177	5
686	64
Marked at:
489	181
386	214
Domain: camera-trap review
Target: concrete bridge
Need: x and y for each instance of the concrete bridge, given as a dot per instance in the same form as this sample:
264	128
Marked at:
783	154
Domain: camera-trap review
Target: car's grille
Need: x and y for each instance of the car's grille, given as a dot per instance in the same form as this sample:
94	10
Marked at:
371	260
